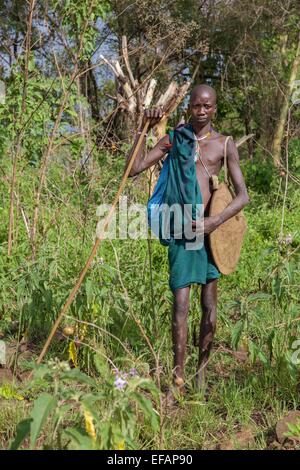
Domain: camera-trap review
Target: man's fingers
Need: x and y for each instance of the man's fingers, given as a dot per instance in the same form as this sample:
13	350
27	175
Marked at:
154	112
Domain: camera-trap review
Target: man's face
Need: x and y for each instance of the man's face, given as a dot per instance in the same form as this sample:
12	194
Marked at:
202	107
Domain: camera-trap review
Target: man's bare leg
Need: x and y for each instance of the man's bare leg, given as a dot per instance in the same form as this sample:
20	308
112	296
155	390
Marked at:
179	333
207	328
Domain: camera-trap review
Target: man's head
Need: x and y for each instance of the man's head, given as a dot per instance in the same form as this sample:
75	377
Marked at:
203	104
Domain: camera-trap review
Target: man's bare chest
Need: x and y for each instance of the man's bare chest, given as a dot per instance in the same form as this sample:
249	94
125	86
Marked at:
209	156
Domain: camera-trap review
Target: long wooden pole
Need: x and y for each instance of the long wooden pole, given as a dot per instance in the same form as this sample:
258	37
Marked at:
95	247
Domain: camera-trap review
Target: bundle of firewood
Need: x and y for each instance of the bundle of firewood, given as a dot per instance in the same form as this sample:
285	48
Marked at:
133	97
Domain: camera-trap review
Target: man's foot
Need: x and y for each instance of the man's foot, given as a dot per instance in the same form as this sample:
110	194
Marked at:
175	392
178	384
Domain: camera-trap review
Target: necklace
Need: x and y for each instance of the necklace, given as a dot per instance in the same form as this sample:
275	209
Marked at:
212	178
197	139
203	136
198	156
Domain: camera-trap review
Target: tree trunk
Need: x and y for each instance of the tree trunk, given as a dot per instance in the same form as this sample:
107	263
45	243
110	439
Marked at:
279	130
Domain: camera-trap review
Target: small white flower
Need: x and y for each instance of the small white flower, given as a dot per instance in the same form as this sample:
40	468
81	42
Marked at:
120	384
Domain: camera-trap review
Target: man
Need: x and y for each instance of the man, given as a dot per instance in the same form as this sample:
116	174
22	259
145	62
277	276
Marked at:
189	263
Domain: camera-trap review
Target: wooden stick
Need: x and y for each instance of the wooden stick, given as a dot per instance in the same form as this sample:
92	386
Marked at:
126	60
95	247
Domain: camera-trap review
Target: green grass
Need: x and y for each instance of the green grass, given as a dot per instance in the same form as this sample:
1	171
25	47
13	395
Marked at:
254	394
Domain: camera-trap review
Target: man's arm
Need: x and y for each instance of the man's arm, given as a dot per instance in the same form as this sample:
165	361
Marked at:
241	199
142	162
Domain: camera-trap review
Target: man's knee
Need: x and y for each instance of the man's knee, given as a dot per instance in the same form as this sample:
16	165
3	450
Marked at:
209	308
181	308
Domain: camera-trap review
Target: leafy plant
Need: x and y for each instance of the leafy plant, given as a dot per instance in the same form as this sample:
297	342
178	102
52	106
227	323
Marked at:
245	309
106	412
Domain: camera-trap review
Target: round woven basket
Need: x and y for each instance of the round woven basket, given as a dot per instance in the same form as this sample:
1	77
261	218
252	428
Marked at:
226	241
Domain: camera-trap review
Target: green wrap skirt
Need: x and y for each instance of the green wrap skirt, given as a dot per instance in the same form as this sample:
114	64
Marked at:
190	266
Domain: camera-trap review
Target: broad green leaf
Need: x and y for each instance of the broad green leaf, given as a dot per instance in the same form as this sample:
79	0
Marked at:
146	406
101	365
76	374
42	408
22	431
277	287
79	439
141	382
236	333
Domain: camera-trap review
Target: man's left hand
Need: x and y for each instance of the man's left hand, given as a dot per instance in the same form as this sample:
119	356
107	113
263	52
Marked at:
211	223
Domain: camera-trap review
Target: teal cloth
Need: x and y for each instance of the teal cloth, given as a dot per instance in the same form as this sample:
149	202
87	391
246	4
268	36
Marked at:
186	266
190	266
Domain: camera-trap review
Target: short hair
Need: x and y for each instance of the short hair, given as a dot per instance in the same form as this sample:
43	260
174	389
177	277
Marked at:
198	88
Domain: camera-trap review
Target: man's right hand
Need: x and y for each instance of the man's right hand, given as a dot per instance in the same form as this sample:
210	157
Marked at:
154	114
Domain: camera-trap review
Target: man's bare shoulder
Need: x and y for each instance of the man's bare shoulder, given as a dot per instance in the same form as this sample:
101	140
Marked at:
218	141
218	136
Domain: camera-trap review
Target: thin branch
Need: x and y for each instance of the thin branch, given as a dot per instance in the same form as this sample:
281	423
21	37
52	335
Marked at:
126	60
